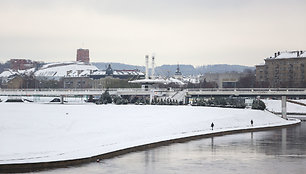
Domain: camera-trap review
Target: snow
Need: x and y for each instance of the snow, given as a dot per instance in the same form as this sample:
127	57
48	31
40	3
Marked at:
301	101
119	72
158	81
49	65
275	106
52	132
150	81
57	70
44	99
176	81
291	54
194	80
7	73
65	69
100	72
10	72
27	71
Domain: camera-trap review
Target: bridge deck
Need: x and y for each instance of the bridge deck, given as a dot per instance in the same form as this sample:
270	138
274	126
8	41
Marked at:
137	91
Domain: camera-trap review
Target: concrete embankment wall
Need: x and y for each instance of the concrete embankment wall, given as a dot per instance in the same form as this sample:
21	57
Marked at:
31	167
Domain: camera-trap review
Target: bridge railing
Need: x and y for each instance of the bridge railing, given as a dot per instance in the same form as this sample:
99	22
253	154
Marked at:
246	89
86	91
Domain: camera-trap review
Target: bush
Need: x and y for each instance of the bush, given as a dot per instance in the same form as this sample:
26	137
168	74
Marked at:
258	104
220	102
105	98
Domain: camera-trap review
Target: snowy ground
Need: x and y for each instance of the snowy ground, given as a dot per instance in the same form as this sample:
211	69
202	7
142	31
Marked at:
40	99
301	101
276	106
35	132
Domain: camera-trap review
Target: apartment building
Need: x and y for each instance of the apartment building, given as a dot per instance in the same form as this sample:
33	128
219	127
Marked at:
283	70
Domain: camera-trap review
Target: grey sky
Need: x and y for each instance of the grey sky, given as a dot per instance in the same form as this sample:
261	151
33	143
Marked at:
196	32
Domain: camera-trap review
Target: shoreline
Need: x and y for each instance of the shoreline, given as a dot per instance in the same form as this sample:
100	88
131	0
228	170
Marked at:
40	166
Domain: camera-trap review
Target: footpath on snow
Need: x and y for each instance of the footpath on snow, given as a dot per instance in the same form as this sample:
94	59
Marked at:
34	133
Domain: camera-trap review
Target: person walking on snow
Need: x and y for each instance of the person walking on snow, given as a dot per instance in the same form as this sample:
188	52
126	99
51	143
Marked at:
212	126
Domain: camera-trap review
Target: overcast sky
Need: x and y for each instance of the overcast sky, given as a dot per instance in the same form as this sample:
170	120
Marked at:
197	32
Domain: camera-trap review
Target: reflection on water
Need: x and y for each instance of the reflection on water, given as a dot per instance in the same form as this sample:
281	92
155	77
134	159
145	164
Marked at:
276	151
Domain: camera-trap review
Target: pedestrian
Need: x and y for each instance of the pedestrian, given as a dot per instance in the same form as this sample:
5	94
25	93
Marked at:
252	122
212	126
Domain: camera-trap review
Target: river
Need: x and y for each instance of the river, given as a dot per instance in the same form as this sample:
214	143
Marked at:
275	151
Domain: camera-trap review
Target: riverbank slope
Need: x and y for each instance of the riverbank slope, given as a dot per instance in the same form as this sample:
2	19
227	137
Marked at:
34	133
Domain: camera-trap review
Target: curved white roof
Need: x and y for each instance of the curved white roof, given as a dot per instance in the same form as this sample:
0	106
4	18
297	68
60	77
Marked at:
65	70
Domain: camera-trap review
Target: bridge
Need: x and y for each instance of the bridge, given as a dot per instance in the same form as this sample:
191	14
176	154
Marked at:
71	92
178	94
247	92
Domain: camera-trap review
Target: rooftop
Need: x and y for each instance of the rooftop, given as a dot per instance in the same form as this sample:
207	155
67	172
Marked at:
288	55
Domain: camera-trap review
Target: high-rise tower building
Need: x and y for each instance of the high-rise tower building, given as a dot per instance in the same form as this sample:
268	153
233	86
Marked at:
83	55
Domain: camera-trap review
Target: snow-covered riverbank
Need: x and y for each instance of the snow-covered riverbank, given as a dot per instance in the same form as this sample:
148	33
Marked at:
31	132
275	106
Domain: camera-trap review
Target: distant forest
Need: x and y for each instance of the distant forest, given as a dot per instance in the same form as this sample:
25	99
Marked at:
4	66
169	70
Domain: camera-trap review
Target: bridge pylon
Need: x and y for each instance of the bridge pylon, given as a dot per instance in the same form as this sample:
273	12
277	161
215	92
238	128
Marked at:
284	107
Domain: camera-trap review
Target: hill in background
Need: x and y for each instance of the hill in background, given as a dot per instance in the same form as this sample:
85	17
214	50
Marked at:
169	70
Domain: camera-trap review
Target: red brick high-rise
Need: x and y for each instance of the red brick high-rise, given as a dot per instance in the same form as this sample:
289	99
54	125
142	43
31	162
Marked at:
83	55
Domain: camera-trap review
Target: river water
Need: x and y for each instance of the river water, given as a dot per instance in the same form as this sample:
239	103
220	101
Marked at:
275	151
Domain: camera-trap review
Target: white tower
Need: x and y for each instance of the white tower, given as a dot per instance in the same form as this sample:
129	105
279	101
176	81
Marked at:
147	67
153	68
